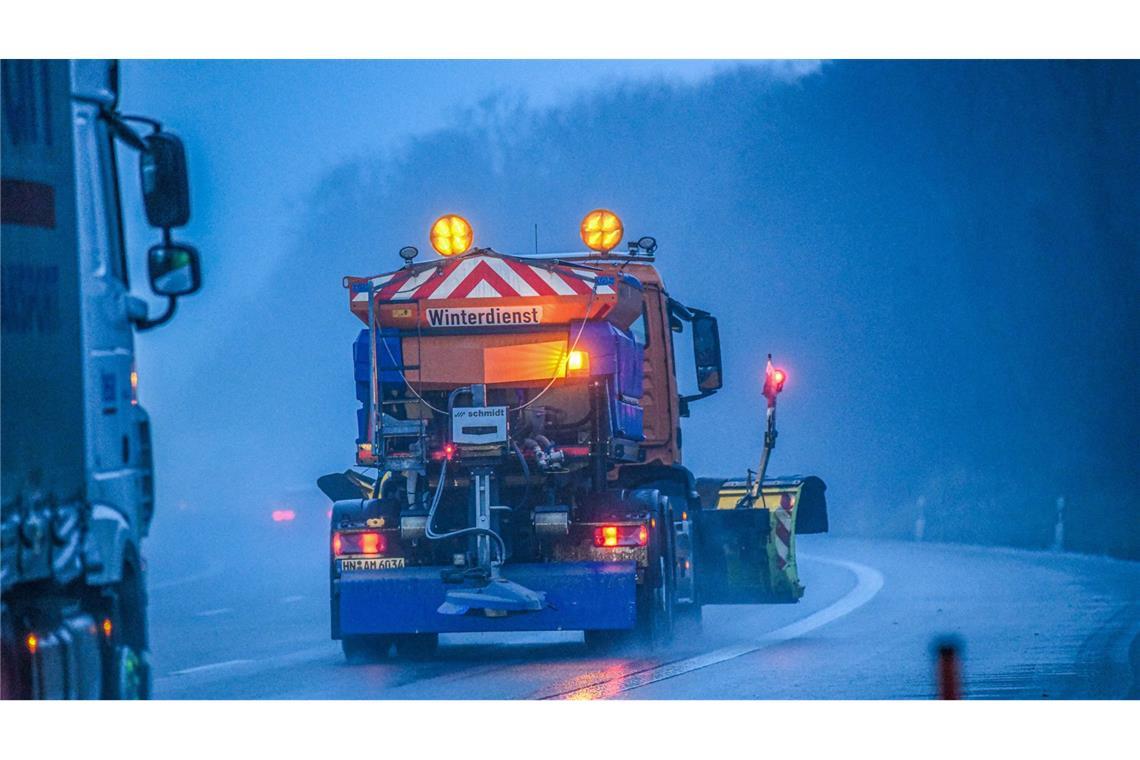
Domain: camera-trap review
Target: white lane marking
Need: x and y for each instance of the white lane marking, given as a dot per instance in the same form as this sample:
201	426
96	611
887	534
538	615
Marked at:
868	582
291	599
211	667
212	613
170	686
209	572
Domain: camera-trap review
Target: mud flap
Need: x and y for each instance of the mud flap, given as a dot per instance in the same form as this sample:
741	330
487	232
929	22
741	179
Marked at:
746	551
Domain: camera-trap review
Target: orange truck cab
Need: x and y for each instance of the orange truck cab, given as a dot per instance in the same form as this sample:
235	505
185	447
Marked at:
521	416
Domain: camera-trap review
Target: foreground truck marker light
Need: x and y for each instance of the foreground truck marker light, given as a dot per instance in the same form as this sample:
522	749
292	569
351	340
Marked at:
519	456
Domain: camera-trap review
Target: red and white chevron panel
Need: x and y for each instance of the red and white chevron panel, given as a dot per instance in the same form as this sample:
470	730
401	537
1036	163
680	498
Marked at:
783	531
484	277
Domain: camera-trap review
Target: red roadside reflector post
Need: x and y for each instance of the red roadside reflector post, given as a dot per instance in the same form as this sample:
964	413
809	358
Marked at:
948	669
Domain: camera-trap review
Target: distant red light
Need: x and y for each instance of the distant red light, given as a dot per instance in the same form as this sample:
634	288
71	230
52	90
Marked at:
778	376
283	515
448	450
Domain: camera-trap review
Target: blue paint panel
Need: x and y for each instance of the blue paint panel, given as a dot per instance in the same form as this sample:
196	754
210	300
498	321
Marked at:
389	359
614	353
579	595
388	363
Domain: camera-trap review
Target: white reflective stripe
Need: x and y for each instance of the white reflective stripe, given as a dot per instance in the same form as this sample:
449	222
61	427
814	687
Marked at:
484	289
409	288
556	281
512	278
360	296
380	280
456	277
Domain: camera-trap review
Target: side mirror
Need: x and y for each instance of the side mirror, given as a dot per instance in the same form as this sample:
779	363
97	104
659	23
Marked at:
174	269
165	185
706	353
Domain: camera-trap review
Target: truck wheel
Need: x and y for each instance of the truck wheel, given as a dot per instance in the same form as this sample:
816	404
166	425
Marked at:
657	621
601	642
126	668
14	682
359	650
417	646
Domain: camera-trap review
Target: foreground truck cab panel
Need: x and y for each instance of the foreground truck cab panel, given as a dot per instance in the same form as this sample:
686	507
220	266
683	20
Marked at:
522	419
78	488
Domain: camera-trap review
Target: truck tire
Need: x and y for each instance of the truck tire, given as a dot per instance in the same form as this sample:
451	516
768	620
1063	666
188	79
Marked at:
417	646
657	596
605	641
655	610
126	667
360	650
14	680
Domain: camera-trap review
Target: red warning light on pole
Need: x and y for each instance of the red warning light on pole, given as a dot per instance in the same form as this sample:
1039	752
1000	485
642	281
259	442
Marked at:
774	380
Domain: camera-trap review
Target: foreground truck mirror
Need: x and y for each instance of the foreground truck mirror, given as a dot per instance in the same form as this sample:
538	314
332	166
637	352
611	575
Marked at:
706	353
174	269
165	184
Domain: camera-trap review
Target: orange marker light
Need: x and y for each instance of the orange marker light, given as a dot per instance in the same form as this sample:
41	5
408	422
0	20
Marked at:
32	642
451	235
338	544
578	361
601	230
642	536
609	535
107	628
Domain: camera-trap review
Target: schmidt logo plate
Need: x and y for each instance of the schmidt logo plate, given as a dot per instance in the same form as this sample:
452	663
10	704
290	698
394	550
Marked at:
479	424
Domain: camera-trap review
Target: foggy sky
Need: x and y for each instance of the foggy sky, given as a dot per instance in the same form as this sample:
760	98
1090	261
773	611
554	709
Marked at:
942	255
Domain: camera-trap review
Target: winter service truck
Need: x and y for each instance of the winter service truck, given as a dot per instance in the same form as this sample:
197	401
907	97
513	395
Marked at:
521	416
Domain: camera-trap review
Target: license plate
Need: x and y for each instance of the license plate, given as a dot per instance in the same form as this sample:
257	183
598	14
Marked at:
379	563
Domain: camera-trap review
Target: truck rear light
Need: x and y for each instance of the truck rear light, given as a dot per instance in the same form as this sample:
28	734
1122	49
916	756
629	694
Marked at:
621	535
359	542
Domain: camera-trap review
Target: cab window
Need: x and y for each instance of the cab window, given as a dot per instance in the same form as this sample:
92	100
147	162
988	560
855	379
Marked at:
640	328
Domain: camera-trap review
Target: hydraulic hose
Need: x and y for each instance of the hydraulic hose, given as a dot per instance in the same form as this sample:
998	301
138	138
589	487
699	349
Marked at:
430	532
526	474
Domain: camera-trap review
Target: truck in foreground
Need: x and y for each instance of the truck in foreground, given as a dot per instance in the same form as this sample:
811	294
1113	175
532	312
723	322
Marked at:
78	481
519	456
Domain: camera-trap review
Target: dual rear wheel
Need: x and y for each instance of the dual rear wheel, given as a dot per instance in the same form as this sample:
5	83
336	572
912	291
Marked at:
359	650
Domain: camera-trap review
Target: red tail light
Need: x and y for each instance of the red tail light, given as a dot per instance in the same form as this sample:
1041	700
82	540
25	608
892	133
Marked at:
621	535
359	542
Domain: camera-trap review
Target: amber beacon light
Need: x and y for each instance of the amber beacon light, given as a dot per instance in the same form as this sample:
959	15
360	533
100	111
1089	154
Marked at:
601	230
451	235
